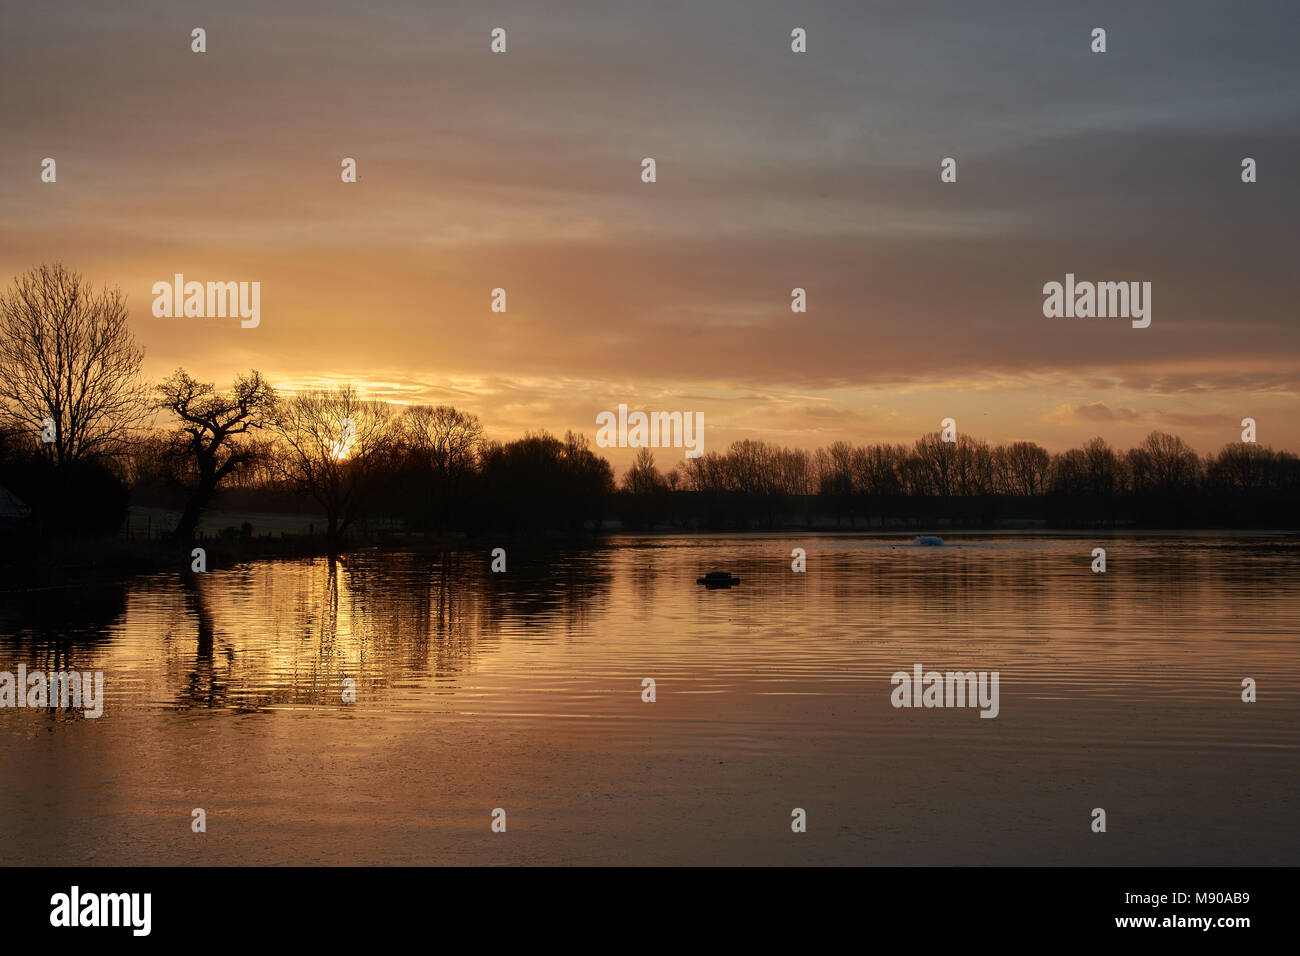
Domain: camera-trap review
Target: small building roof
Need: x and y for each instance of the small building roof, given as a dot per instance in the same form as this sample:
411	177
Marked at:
11	507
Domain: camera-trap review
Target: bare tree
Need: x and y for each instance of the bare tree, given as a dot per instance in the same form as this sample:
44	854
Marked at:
1163	463
793	471
707	472
1244	467
67	355
1104	468
936	464
441	447
330	444
751	464
973	462
643	478
876	469
1069	473
444	438
207	442
1023	468
835	470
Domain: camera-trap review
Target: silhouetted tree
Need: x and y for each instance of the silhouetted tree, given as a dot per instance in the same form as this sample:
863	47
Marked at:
540	481
330	444
207	443
440	446
643	478
1022	468
1246	467
67	355
936	464
1163	464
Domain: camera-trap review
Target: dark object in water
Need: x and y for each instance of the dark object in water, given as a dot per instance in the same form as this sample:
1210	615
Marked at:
718	579
929	540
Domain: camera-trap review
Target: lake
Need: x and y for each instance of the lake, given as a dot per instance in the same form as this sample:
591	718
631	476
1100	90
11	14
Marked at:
524	691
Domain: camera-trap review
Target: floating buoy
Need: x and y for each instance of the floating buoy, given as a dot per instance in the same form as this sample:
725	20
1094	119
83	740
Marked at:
718	579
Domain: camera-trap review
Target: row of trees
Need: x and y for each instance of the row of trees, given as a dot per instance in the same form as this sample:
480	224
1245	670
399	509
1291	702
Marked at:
1162	463
70	372
1161	479
429	467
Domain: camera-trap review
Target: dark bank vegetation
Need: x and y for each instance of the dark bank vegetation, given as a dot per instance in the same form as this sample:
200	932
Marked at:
1162	483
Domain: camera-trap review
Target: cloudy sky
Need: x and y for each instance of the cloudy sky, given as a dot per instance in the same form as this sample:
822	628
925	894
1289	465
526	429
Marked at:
775	170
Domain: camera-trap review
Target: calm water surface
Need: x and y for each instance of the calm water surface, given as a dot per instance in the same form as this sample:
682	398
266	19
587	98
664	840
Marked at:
523	691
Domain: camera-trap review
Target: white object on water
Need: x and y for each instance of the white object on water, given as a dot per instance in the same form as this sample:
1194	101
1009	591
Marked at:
928	540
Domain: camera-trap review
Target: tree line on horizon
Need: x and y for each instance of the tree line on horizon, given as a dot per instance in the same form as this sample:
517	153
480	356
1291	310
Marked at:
970	482
82	436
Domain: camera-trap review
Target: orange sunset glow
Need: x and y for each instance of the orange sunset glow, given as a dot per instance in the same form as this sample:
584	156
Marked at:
523	173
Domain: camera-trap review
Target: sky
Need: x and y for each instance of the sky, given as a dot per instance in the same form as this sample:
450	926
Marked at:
775	170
